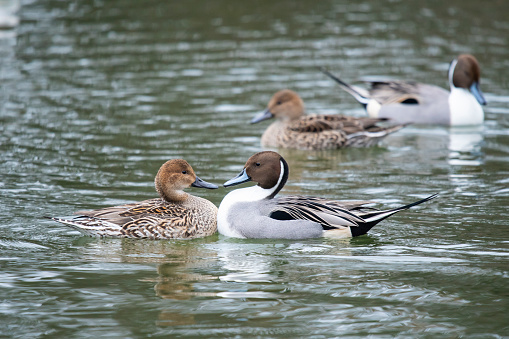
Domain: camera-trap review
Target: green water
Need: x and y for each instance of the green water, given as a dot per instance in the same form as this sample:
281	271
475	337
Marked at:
96	95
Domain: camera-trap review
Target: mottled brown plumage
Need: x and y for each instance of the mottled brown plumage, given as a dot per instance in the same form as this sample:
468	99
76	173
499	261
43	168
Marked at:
294	129
175	214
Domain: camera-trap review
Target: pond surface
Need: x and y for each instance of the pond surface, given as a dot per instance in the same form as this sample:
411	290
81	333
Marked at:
96	95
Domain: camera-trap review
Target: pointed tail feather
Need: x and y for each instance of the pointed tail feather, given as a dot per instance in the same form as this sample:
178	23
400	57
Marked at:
90	226
381	215
373	218
363	100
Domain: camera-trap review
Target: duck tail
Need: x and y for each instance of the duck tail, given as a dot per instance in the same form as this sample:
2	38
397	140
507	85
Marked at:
373	218
89	226
370	138
362	99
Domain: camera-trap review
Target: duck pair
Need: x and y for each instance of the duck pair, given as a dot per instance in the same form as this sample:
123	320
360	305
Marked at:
401	102
253	212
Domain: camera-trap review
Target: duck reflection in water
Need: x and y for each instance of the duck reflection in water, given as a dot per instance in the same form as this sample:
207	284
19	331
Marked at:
465	146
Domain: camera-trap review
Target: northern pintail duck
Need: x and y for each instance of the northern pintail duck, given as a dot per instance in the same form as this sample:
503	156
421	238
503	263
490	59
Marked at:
256	212
175	214
418	103
294	129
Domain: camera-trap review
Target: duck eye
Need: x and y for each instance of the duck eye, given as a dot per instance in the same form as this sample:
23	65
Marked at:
184	172
278	103
257	164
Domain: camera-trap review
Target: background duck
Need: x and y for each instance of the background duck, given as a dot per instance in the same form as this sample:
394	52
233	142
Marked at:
255	212
293	129
175	214
418	103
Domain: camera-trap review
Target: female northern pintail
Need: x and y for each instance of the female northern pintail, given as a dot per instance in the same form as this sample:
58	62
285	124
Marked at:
255	212
175	214
413	102
293	129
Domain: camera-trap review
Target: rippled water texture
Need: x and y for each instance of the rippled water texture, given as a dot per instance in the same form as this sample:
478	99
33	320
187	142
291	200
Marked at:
96	95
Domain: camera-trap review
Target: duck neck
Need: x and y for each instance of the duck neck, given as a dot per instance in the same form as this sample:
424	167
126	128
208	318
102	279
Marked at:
177	197
283	177
171	195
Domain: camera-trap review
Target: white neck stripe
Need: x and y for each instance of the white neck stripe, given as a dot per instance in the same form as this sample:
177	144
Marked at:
451	72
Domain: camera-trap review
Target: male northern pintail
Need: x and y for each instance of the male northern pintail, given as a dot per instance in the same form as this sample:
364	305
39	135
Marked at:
255	212
414	102
175	214
294	129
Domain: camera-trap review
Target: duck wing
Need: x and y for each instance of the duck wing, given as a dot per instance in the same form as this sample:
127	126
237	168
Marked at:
351	205
333	214
153	211
316	123
178	225
384	91
395	92
311	124
329	215
125	213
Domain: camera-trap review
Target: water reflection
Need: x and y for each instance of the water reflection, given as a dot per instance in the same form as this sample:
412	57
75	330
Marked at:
245	264
179	268
261	261
168	318
176	279
465	146
8	17
178	262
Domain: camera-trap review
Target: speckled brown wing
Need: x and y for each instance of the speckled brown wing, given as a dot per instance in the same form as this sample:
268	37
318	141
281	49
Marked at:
311	124
124	213
318	123
364	124
396	91
311	132
181	224
327	139
315	132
